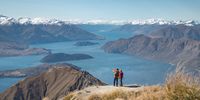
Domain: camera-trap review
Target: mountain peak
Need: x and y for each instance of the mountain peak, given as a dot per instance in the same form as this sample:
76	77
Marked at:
53	84
4	20
163	22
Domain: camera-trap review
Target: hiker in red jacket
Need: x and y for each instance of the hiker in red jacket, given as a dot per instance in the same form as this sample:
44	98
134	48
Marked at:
116	76
121	75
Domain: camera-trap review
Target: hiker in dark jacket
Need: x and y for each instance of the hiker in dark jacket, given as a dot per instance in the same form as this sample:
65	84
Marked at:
121	75
116	76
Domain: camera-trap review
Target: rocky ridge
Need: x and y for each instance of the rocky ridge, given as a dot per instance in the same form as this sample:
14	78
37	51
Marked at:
52	84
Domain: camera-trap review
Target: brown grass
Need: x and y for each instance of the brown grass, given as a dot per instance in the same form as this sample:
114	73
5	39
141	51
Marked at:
178	86
148	93
69	97
182	86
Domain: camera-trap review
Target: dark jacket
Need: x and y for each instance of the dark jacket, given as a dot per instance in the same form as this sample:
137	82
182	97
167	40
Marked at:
116	74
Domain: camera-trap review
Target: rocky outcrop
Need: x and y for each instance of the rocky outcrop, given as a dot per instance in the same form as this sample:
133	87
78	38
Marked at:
58	57
85	43
182	51
52	84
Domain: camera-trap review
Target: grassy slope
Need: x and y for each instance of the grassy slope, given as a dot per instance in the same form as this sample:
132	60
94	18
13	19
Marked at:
178	86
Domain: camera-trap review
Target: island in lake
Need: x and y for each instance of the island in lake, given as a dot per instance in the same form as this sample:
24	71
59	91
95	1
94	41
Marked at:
58	57
8	49
85	43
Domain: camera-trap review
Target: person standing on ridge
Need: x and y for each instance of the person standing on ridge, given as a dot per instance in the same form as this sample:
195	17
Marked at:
121	75
116	76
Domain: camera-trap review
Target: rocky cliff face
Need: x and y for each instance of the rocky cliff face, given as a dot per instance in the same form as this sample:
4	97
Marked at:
53	84
184	52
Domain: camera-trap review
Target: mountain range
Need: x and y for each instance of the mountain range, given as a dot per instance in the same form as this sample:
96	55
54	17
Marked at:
175	44
5	20
32	34
16	35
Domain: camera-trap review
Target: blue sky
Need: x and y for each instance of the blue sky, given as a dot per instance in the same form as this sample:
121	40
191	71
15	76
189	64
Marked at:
103	9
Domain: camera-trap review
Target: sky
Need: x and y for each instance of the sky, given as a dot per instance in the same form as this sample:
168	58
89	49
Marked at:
102	9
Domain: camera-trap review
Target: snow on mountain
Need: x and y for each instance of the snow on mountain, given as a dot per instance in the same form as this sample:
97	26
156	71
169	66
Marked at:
24	20
150	21
4	20
98	21
39	21
163	22
47	21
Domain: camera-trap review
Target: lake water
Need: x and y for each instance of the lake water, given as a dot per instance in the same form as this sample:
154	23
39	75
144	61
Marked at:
136	70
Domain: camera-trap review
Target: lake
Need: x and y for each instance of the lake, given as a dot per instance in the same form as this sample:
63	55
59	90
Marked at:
136	70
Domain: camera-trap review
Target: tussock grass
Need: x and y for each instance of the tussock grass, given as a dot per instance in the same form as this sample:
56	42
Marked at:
120	94
45	98
179	85
69	97
182	86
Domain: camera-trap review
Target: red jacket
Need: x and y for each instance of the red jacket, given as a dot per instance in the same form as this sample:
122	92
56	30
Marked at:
121	75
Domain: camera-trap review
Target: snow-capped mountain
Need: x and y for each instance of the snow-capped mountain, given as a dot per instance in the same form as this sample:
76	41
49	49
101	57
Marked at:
4	20
164	22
